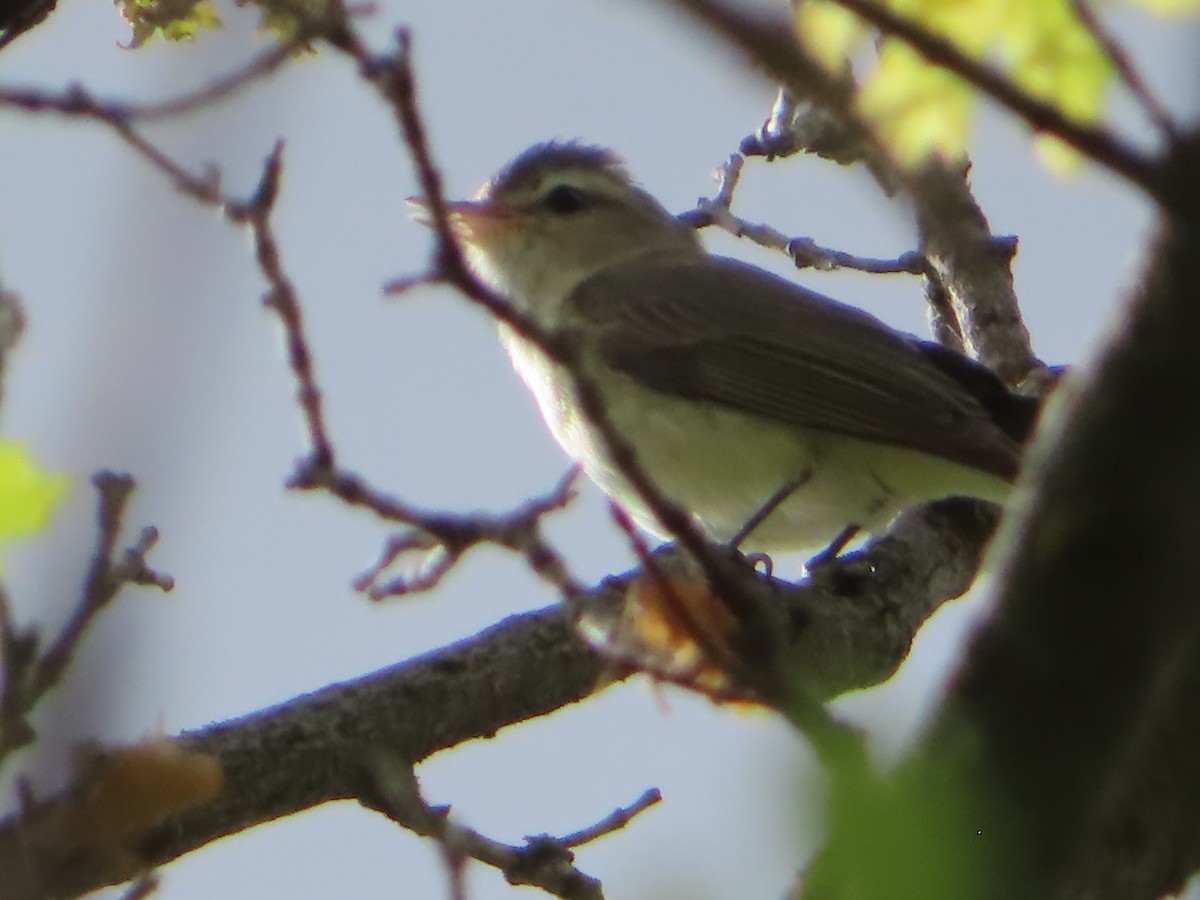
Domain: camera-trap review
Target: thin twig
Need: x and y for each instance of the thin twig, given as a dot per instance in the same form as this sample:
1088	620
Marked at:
28	675
76	101
763	36
222	87
544	862
398	286
442	539
450	535
300	753
728	176
954	232
18	654
281	299
1121	62
206	188
805	253
815	111
105	577
394	77
614	821
775	137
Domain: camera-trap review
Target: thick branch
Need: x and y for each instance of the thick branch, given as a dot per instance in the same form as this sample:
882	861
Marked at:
972	264
1084	689
847	627
975	268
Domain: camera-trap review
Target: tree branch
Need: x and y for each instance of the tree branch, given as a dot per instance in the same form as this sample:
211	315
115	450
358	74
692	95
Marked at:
543	861
847	627
27	673
974	268
1078	699
972	265
1097	144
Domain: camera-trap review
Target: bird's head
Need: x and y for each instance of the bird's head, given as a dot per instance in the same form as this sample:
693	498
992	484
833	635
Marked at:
558	214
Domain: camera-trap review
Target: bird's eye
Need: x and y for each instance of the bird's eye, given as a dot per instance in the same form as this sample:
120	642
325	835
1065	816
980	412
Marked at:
564	199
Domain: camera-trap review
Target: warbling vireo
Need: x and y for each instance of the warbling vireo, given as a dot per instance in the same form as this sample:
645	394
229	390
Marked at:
729	382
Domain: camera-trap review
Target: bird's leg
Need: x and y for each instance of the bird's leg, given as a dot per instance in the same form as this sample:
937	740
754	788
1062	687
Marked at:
761	563
830	553
773	503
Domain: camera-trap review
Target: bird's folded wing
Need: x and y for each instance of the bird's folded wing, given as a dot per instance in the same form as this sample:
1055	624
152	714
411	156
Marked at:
729	333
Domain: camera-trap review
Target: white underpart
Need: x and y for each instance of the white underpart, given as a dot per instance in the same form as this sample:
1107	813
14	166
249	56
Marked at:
724	466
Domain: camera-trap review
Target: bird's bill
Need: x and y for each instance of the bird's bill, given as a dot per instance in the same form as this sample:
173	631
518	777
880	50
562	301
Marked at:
477	222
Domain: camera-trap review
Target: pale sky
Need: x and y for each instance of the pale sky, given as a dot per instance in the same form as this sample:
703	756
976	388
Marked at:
148	351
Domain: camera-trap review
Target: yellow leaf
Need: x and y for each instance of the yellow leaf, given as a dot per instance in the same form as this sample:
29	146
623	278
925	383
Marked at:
202	17
917	110
284	18
1058	157
1059	61
828	32
28	494
175	20
969	24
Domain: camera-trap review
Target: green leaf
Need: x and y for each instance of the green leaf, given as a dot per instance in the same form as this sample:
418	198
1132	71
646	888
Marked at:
28	493
829	32
175	20
917	109
1052	56
284	18
928	829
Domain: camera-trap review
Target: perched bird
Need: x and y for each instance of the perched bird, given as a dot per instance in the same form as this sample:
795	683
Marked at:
730	383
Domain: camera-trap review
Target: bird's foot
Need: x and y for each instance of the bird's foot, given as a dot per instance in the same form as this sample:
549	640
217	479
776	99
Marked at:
830	553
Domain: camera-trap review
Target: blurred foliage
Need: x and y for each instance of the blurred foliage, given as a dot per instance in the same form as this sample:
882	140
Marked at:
283	19
919	109
914	833
28	493
175	20
180	20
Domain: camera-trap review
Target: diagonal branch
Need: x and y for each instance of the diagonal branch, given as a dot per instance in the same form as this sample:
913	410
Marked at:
543	861
76	101
394	77
971	264
1094	647
1154	109
1097	144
